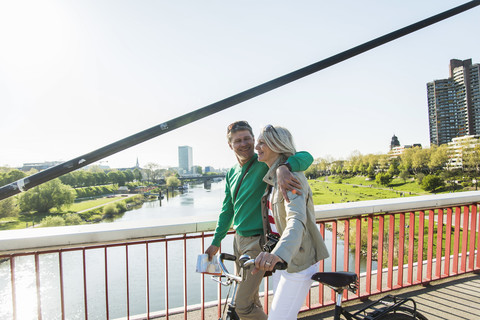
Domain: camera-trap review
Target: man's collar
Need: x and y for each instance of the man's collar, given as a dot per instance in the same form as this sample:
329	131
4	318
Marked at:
253	158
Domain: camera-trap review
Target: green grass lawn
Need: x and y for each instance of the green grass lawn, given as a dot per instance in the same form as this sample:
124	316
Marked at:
85	205
358	189
24	220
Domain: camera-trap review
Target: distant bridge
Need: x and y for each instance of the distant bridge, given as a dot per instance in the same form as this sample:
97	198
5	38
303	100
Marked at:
202	178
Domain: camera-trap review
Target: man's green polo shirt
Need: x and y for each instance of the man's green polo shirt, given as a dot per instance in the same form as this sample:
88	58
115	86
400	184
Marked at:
245	212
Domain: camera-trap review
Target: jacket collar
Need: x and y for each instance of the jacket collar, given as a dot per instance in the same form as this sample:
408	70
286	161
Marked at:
271	176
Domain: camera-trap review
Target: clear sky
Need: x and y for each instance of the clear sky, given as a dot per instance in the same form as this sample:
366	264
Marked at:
78	75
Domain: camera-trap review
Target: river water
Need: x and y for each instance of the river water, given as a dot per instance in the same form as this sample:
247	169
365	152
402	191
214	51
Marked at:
196	201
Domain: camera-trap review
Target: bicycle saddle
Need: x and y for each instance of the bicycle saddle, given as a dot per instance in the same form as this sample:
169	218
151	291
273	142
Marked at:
335	279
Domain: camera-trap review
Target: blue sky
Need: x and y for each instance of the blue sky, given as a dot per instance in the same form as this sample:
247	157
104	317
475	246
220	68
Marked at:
77	75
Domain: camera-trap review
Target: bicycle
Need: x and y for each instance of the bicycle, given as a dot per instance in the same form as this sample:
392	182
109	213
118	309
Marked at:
389	307
245	263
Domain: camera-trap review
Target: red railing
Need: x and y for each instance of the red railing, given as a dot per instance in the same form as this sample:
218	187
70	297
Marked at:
131	278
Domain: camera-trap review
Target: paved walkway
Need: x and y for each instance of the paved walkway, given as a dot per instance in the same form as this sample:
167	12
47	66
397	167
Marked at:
456	298
452	298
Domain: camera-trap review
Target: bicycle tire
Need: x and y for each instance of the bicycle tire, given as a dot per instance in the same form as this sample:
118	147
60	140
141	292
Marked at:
403	313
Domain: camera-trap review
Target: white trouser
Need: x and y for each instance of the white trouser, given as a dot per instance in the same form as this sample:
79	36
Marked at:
289	292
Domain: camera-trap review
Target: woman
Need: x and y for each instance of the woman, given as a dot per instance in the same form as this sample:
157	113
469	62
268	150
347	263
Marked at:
300	244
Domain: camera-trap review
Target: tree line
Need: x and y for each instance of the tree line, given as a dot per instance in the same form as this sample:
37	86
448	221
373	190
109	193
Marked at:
82	183
432	167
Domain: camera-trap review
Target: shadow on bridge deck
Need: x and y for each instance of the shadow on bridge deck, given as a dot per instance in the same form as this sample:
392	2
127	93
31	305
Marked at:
451	298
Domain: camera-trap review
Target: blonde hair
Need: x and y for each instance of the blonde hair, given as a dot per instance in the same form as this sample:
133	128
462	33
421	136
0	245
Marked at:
279	140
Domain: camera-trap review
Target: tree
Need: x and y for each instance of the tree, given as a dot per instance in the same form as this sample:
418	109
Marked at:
173	181
406	158
404	175
312	171
52	221
42	198
438	158
420	159
383	179
8	207
72	219
432	183
10	176
137	173
393	170
371	172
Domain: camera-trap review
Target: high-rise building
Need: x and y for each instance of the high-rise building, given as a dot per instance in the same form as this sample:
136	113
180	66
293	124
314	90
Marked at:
454	103
185	159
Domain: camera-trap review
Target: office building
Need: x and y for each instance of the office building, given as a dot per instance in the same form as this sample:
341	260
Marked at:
185	159
454	103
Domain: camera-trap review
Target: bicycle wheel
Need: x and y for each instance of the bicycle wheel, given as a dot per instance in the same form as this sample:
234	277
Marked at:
403	313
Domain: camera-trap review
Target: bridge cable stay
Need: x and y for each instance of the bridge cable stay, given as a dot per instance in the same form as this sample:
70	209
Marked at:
86	159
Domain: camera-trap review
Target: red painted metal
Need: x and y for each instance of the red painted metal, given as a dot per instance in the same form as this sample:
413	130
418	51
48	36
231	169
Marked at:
321	297
456	240
368	284
128	281
219	295
466	214
421	239
62	293
473	227
107	307
265	296
431	225
202	285
346	251
438	258
411	247
147	284
391	237
401	249
468	229
358	248
478	241
185	301
166	282
37	281
85	300
448	243
334	253
12	281
380	252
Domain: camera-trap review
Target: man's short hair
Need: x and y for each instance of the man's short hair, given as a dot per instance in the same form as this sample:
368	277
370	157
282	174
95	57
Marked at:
238	126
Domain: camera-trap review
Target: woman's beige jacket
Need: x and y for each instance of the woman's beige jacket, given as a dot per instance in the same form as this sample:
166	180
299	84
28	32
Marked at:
301	244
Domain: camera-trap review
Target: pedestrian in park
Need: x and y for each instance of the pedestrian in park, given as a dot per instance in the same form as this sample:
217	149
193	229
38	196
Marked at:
242	209
300	244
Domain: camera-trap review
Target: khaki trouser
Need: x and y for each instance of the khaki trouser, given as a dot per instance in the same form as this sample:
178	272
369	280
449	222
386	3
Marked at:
247	300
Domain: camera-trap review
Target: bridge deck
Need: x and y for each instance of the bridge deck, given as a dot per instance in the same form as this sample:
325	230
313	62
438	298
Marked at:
451	298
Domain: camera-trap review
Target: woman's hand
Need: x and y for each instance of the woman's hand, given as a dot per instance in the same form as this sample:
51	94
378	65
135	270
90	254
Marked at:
266	261
287	182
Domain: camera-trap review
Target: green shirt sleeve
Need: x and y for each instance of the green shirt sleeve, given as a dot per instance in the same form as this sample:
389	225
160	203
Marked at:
225	218
300	161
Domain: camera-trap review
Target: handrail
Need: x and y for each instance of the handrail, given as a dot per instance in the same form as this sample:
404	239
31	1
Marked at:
45	238
86	159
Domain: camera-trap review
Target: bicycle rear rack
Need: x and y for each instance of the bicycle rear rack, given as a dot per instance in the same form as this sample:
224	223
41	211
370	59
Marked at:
388	304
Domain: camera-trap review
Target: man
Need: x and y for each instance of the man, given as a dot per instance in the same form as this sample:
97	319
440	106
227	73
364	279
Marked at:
242	207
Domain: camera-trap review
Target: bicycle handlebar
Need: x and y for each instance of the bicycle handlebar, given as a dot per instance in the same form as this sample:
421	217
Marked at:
245	263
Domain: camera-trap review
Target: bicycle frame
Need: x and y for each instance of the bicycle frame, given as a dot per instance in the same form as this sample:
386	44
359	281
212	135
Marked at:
379	309
245	262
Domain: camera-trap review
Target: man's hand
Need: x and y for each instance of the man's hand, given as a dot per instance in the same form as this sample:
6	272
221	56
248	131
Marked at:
266	261
211	251
287	182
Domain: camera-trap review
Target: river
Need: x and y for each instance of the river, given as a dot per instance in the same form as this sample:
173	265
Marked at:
196	201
